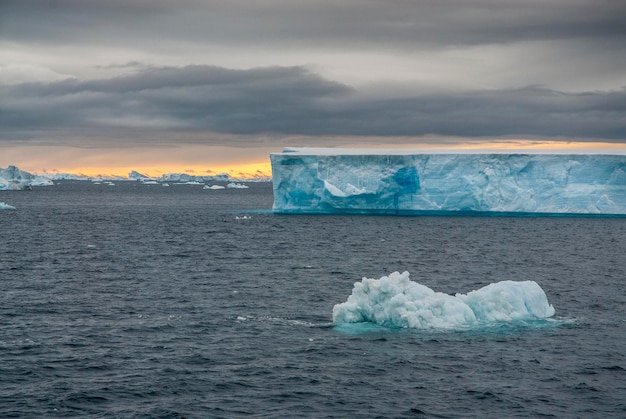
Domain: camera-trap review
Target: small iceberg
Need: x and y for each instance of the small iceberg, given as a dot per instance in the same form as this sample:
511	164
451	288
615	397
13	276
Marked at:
234	185
395	301
243	217
6	206
213	187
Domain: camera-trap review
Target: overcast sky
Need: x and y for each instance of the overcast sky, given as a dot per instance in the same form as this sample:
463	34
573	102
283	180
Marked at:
258	75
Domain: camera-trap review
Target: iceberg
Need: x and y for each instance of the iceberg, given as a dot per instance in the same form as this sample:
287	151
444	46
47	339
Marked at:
6	206
235	185
134	175
14	179
397	302
186	178
310	180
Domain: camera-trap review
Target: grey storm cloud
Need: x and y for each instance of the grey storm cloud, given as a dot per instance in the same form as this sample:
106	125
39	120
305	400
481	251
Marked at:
398	24
296	101
520	49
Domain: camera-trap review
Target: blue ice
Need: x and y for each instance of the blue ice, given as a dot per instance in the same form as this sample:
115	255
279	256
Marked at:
402	182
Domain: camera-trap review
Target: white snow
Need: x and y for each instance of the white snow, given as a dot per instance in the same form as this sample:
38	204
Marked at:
396	301
335	180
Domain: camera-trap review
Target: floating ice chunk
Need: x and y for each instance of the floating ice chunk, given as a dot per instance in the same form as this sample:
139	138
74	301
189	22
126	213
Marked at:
6	206
213	187
234	185
396	301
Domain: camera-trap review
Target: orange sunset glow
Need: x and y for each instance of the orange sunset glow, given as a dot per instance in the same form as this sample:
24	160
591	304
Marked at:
154	162
204	160
236	162
244	171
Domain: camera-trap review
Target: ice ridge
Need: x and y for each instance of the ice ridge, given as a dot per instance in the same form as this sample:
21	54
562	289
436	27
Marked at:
331	180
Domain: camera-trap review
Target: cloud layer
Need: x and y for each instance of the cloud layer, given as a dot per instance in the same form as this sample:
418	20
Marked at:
306	23
295	101
191	69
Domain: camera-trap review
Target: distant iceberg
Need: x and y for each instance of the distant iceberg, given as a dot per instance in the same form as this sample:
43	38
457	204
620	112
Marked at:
174	178
186	178
134	175
234	185
405	182
397	302
14	179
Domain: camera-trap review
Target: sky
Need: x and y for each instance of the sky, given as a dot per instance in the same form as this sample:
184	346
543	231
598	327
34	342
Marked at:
203	86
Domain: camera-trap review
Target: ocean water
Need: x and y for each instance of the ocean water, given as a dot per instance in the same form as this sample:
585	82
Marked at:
141	301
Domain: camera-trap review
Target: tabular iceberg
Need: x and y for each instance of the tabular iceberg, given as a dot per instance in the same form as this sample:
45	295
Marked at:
403	182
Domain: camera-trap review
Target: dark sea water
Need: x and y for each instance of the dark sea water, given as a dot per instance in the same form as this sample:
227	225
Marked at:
141	301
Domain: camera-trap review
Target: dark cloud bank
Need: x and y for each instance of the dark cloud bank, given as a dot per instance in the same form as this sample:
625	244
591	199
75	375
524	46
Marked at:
295	101
334	24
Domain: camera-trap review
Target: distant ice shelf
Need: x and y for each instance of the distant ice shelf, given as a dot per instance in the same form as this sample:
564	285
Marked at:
366	181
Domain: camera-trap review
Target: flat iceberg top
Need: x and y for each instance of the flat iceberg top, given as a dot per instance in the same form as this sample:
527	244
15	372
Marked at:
327	151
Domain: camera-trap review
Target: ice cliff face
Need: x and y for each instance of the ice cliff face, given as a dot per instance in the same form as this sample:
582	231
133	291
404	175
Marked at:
331	180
